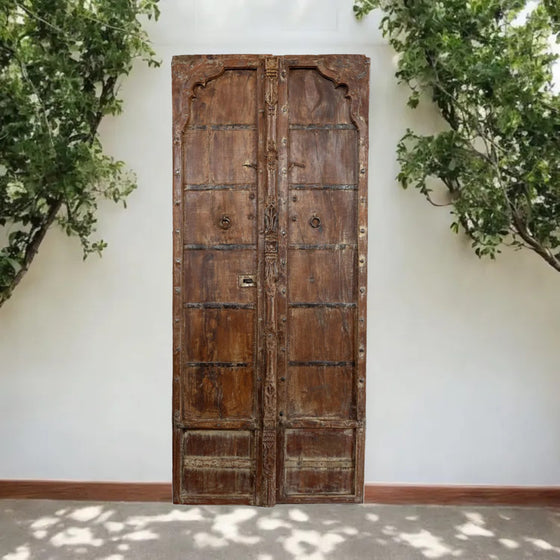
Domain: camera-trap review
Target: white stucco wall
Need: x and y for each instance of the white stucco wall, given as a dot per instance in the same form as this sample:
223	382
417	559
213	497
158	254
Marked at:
463	367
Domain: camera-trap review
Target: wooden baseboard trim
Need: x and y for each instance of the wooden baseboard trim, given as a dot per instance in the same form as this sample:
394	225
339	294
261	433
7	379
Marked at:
94	491
374	493
462	495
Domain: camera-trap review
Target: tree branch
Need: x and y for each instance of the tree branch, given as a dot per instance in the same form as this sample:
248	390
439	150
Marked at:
31	250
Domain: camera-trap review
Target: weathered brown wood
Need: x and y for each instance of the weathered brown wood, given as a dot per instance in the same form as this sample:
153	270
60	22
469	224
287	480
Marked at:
270	203
463	495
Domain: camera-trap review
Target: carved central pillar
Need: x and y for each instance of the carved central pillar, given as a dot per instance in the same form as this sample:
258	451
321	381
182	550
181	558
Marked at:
270	279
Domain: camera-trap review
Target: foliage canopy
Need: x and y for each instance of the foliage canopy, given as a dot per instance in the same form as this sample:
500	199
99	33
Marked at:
60	64
488	66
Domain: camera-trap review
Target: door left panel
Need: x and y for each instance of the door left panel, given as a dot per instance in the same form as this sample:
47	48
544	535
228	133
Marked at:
216	409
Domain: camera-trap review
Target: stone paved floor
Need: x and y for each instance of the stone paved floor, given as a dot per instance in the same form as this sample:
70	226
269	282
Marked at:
56	530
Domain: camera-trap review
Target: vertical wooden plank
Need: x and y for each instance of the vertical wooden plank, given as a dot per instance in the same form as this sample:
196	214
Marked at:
261	489
359	112
270	280
282	295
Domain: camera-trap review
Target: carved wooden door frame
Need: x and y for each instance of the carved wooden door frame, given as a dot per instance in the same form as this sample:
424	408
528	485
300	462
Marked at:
352	73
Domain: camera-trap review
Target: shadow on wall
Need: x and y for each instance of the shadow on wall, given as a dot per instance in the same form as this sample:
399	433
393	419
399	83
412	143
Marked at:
36	530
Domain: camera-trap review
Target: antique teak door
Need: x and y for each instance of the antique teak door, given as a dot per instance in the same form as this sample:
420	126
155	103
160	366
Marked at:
269	272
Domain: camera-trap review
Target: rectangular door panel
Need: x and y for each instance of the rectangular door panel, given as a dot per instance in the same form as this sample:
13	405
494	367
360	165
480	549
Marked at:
217	462
326	157
321	334
237	146
220	217
322	275
211	392
319	462
317	392
219	335
230	100
314	100
322	217
217	276
238	156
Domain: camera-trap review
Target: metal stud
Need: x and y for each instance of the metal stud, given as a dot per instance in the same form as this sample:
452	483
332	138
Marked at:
362	290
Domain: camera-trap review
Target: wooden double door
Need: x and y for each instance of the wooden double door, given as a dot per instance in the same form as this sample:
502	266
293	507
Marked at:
269	271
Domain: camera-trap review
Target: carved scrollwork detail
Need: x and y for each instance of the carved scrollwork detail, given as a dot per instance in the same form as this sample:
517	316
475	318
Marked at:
187	75
270	399
270	219
271	72
269	448
272	156
352	73
271	271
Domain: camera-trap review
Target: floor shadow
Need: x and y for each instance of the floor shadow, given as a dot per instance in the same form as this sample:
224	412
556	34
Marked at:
45	530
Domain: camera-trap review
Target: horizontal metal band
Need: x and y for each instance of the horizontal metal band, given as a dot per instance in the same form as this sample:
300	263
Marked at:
217	364
320	363
220	305
224	187
320	187
325	463
306	423
232	126
330	305
192	424
221	247
196	462
331	246
312	126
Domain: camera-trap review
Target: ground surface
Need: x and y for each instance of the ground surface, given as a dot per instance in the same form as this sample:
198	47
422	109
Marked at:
55	530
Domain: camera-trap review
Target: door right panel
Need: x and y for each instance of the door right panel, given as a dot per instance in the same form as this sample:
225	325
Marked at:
320	397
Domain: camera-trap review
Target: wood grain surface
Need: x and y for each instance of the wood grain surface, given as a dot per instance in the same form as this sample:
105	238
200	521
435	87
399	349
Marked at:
270	232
